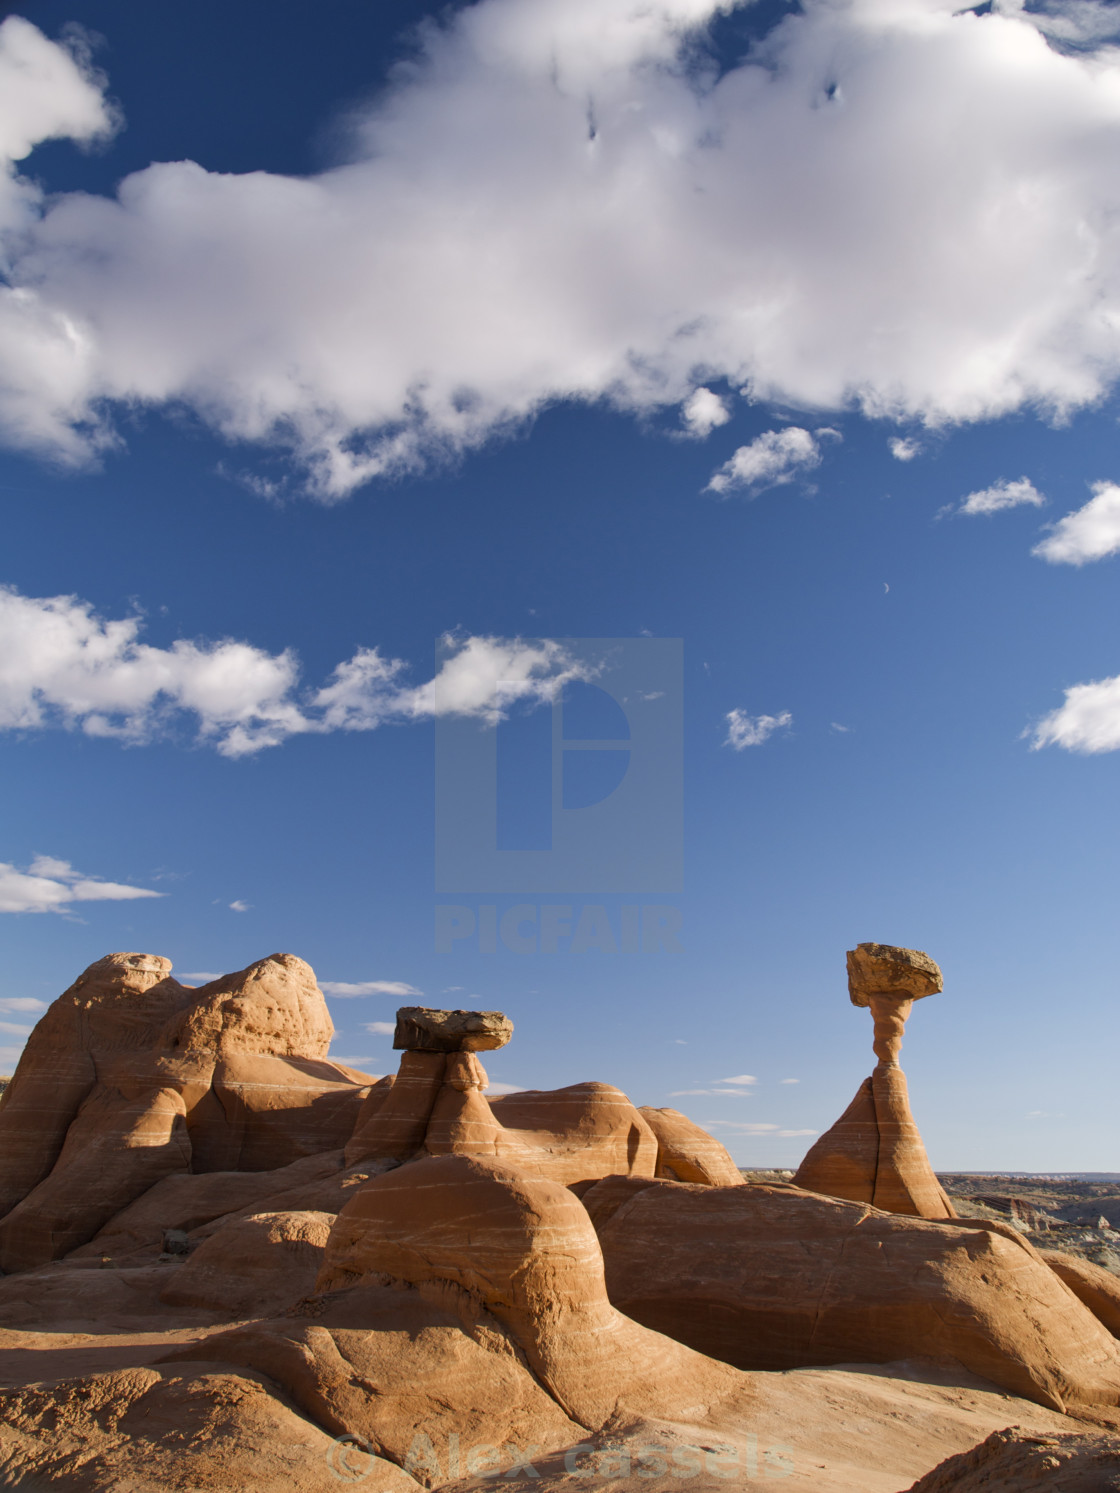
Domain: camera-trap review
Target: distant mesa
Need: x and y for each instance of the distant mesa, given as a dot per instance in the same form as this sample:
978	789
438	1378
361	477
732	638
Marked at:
283	1273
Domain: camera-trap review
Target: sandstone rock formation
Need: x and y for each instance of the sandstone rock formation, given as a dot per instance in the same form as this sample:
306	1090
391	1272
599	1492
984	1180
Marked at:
436	1105
150	1430
130	1077
1014	1460
685	1153
253	1266
874	1152
405	1284
1096	1288
771	1277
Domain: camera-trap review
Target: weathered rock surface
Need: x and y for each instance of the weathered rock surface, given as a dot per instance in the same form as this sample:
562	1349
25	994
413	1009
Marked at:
812	1431
163	1430
886	969
685	1153
525	1251
256	1267
188	1202
1014	1460
422	1029
774	1278
1096	1288
414	1376
131	1077
874	1154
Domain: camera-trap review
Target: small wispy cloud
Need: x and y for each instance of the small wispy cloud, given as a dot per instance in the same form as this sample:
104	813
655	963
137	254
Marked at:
240	906
739	1093
199	976
370	987
903	448
739	1127
1001	495
22	1003
50	885
745	730
741	1078
15	1028
838	728
1089	533
497	1089
380	1028
791	1080
771	460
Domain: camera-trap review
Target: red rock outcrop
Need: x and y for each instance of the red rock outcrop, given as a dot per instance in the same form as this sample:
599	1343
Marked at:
775	1277
1093	1285
253	1267
417	1378
685	1153
526	1252
874	1152
435	1294
1014	1460
436	1105
131	1077
188	1202
171	1430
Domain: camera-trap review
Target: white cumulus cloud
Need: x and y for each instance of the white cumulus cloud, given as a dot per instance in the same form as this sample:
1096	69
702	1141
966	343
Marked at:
745	730
367	987
774	458
1089	533
702	411
63	665
548	204
50	885
1088	721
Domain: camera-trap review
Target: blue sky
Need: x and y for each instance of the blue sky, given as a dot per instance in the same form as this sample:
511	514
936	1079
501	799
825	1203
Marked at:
787	334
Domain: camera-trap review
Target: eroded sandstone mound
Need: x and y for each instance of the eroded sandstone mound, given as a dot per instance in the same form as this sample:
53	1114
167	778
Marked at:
1096	1288
130	1077
775	1278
